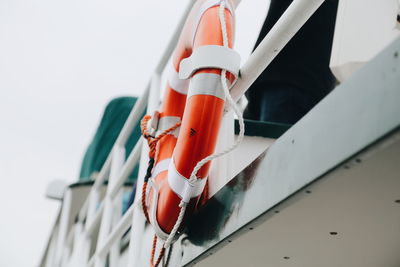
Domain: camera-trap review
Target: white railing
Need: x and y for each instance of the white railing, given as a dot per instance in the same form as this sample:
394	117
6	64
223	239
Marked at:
105	212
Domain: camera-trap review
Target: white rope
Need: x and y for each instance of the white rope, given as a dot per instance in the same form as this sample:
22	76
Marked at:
193	178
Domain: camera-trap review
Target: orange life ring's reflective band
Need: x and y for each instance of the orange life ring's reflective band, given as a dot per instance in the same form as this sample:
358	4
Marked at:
200	109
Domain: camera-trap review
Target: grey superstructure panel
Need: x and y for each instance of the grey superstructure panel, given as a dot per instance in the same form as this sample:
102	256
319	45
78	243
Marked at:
317	154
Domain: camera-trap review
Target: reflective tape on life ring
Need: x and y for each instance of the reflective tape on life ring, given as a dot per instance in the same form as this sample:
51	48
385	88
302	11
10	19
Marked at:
167	122
177	84
160	167
210	56
206	84
181	186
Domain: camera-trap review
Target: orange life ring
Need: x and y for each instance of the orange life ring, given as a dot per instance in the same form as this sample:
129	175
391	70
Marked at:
197	106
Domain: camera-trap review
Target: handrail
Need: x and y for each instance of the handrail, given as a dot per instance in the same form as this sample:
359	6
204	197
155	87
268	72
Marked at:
122	226
174	39
295	16
126	169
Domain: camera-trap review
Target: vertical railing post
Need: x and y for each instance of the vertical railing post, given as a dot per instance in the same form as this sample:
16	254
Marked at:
83	247
118	159
63	228
116	216
50	257
94	199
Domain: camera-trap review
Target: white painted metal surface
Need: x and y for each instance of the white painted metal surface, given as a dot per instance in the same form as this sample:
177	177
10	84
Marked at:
55	190
349	218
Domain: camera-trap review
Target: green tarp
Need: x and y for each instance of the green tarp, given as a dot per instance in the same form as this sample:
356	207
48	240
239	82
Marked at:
113	120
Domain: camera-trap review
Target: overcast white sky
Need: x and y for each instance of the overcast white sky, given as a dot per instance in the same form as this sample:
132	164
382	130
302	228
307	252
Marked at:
60	63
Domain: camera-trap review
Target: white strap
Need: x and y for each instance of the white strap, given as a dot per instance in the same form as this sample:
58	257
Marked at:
178	85
160	167
167	122
210	56
203	8
181	186
153	209
206	84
